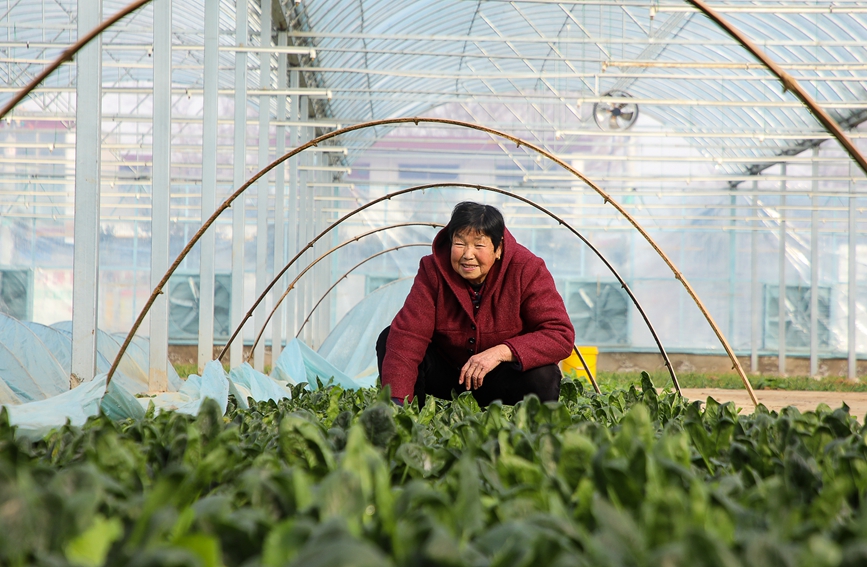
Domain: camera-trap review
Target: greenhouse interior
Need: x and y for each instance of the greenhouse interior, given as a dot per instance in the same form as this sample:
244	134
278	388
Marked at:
433	283
631	144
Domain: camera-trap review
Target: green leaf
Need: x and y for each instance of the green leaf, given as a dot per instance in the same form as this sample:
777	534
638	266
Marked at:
91	547
378	423
205	547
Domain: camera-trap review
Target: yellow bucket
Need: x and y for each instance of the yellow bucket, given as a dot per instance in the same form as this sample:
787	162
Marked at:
573	363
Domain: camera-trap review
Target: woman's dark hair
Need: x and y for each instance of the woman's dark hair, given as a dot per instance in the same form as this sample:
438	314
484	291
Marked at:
476	217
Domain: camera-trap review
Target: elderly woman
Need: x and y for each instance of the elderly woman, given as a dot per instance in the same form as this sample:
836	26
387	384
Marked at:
483	315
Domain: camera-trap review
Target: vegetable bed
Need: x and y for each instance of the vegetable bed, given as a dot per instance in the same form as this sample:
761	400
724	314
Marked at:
336	477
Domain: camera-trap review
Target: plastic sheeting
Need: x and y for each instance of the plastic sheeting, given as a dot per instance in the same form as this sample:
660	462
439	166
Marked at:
351	346
125	399
213	383
27	366
35	361
133	365
299	363
347	358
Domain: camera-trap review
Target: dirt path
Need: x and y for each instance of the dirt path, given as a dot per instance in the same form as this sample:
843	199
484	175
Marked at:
778	399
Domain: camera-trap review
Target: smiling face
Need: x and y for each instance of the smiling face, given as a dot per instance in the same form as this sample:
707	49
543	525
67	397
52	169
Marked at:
473	255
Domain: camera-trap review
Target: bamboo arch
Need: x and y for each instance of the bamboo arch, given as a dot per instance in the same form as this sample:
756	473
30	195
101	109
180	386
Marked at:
446	121
389	196
789	83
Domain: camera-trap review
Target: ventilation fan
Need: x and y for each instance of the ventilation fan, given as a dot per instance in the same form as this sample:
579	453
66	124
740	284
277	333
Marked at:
184	307
615	115
15	288
599	312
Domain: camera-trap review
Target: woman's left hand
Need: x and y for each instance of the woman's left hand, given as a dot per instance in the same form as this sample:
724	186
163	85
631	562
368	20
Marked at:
479	365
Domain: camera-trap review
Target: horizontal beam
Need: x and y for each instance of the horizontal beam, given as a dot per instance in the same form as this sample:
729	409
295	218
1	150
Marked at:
313	93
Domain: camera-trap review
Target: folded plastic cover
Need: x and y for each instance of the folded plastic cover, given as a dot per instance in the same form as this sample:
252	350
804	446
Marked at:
303	364
250	382
213	383
35	419
139	351
289	366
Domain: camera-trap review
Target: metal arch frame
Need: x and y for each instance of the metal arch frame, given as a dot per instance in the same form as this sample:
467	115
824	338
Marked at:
788	82
68	54
416	120
388	196
298	277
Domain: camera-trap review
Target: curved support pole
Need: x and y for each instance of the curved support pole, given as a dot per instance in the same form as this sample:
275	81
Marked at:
291	262
349	271
590	374
789	83
595	250
69	53
417	120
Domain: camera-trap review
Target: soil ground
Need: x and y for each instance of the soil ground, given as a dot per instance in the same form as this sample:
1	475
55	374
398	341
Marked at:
776	400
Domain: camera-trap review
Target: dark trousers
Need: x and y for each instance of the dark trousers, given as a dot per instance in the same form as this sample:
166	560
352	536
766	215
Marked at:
436	377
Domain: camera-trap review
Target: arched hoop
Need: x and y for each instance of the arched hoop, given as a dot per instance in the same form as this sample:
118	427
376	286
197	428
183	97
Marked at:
789	83
69	53
389	196
446	121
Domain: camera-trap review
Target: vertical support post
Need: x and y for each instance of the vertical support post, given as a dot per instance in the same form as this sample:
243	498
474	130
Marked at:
755	290
209	185
239	209
303	205
814	269
88	147
733	257
781	305
319	281
279	204
292	242
161	188
264	183
853	283
317	225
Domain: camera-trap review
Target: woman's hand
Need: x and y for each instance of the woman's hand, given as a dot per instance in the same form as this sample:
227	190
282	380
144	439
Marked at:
479	365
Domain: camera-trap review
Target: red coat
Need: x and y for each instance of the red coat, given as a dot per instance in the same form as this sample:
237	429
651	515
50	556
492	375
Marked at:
520	307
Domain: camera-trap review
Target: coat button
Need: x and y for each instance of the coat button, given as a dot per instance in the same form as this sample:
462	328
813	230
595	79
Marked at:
471	350
473	327
472	340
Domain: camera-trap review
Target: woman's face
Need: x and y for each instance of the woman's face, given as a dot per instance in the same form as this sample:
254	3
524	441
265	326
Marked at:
473	254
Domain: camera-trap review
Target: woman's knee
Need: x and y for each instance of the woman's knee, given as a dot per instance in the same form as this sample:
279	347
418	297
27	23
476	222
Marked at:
546	381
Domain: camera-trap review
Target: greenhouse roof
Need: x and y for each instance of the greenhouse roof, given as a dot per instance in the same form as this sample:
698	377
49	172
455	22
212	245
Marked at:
383	59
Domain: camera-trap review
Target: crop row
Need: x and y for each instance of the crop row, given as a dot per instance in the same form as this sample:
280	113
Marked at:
335	477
